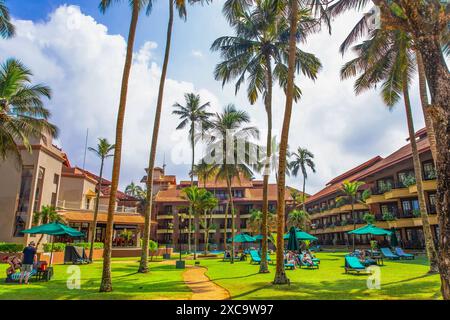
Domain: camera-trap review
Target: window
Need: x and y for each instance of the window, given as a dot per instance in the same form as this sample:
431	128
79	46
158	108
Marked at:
238	193
384	185
55	193
429	173
432	201
405	176
38	193
24	201
88	203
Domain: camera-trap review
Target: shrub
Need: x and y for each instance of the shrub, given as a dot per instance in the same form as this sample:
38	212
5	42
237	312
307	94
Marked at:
408	180
416	213
60	247
369	218
388	216
11	247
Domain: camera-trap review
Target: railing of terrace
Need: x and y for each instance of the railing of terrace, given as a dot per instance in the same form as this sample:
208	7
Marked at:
80	206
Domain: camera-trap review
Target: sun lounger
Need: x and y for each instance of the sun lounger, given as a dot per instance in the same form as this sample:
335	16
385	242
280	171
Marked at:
399	251
254	257
290	266
387	253
16	276
308	265
352	264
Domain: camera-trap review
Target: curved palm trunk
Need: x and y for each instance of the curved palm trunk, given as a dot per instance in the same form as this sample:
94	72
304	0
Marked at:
143	267
354	221
94	223
230	200
263	268
280	275
192	183
438	78
227	207
428	235
425	104
106	283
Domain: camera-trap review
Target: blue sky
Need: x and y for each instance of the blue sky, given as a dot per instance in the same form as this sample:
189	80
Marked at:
79	52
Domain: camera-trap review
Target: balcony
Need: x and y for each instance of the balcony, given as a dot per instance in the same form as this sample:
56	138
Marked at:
164	231
164	215
356	206
81	206
399	190
375	198
428	185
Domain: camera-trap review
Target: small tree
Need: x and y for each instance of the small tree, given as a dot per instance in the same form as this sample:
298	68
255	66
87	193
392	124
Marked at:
369	218
47	214
152	248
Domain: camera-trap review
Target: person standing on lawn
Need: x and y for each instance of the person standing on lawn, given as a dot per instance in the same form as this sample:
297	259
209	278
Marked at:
28	262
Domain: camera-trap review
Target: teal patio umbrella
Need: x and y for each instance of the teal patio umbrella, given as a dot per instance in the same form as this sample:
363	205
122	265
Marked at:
242	238
292	240
258	237
370	229
54	229
301	235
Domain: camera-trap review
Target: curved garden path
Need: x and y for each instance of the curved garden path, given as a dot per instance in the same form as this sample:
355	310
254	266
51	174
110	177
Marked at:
202	287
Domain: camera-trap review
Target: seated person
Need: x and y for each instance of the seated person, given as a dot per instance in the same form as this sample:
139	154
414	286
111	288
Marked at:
365	260
227	254
14	264
307	259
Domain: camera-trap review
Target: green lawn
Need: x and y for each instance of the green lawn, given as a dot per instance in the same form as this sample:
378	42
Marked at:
399	280
163	282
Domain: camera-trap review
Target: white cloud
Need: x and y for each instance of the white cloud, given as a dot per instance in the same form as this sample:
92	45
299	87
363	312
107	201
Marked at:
197	53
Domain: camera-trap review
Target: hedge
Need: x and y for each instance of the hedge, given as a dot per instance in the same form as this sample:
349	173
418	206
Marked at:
11	247
59	247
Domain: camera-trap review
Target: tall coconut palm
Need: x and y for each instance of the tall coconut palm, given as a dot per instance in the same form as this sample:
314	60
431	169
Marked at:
256	54
22	112
303	159
192	114
299	219
228	130
103	150
204	171
256	222
180	5
210	202
387	58
349	190
136	7
7	29
133	190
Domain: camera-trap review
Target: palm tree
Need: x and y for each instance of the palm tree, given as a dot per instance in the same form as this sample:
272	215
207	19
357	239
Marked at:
22	112
257	54
256	221
103	151
47	214
350	191
136	5
193	113
204	171
387	57
299	219
295	19
7	29
181	8
133	190
303	159
228	129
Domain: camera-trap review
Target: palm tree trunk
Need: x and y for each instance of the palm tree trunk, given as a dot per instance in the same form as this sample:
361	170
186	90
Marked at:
143	267
206	232
280	275
425	104
192	183
94	223
428	235
230	200
303	195
438	78
226	226
106	283
263	268
354	221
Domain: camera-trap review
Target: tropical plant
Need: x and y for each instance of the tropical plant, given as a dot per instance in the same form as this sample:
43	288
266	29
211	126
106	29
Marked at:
299	219
350	191
133	190
7	29
153	248
48	214
227	131
369	218
180	6
192	115
22	112
137	6
255	222
388	216
387	58
303	159
103	151
204	171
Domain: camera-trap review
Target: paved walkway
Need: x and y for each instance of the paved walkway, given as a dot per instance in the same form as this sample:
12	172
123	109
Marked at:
202	287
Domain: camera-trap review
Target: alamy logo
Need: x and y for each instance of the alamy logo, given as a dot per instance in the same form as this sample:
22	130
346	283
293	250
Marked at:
74	279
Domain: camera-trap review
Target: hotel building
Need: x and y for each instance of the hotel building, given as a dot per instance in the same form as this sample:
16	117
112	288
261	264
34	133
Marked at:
393	199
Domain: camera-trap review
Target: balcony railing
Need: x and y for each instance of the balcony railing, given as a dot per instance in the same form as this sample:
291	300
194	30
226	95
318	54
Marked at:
80	206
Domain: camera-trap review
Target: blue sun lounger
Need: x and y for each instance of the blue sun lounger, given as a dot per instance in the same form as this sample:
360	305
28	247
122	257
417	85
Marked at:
387	253
314	264
402	254
254	257
352	264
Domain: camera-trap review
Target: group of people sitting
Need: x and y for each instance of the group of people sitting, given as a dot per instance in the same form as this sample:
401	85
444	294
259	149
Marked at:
296	259
26	265
241	256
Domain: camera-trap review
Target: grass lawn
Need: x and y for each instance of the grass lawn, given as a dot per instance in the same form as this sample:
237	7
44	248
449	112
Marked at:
399	280
163	282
